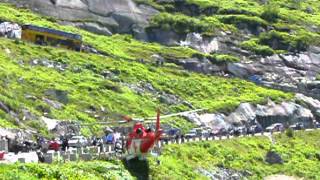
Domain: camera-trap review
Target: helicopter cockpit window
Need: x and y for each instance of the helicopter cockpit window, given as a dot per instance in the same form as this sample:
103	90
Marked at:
149	129
139	131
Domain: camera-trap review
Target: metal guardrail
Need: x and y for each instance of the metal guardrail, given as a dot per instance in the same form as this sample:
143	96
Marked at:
107	151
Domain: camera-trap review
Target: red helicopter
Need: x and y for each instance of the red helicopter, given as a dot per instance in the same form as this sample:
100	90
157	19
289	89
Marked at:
141	140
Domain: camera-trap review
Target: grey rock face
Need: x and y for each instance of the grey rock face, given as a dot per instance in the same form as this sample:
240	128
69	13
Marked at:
169	37
199	65
99	16
59	95
243	114
58	127
286	112
196	41
222	173
287	72
53	104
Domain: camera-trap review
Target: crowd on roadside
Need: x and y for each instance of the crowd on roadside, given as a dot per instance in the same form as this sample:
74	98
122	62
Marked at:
62	143
117	139
235	130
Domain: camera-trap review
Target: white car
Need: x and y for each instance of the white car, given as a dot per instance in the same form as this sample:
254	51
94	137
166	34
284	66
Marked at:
77	141
275	127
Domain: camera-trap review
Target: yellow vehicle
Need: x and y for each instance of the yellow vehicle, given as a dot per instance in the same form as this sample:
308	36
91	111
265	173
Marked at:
51	37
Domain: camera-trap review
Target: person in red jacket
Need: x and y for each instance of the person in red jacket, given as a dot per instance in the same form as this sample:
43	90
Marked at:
54	145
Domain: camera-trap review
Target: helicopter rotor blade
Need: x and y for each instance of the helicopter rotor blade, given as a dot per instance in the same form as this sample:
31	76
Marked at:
145	120
153	119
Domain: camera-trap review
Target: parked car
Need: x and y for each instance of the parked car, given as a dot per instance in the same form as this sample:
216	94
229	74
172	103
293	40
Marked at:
219	132
275	127
297	126
317	124
165	137
191	133
173	132
205	133
77	141
255	129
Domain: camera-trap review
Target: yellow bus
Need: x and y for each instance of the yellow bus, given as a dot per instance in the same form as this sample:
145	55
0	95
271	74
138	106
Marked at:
51	37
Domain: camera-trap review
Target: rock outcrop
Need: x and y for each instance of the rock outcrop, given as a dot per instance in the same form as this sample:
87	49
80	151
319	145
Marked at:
99	16
287	113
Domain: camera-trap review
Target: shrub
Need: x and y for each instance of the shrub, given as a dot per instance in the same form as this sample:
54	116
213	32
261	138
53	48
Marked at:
180	23
270	13
285	41
218	58
290	132
252	21
253	46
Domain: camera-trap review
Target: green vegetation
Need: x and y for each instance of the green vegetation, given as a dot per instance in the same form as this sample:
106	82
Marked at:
120	46
216	58
179	122
72	170
285	41
300	153
251	21
183	24
318	77
88	89
286	24
271	13
254	46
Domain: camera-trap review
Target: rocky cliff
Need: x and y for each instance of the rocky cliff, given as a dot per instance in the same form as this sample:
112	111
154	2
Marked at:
98	16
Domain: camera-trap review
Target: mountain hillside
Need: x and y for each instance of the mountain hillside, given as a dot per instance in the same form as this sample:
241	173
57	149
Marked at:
243	62
93	87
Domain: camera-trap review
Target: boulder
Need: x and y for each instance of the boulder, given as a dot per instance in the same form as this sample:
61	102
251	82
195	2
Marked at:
300	61
286	113
193	117
59	127
27	115
66	127
166	37
311	103
214	121
196	41
59	95
273	157
51	123
94	27
201	66
242	115
169	99
241	70
222	173
54	104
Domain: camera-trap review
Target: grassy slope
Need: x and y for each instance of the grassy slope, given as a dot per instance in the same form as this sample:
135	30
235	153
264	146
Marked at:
292	21
75	170
300	154
301	157
88	88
